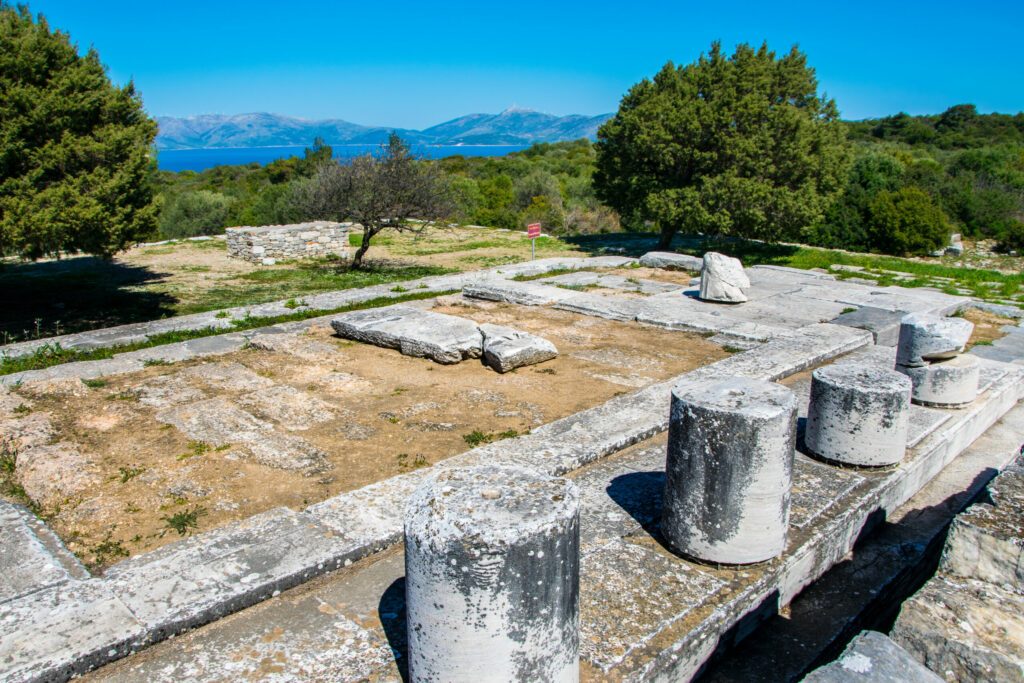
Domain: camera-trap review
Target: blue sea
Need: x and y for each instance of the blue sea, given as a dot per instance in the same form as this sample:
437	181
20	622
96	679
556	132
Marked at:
201	159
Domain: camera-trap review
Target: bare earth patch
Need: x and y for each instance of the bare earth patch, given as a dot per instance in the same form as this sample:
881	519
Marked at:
987	326
296	419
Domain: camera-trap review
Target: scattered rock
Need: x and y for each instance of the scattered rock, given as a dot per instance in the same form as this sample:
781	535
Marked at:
506	348
722	279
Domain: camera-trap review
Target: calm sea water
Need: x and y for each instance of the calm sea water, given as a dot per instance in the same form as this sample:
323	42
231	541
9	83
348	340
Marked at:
201	159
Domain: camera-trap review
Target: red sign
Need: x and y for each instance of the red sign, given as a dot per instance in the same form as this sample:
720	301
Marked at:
533	230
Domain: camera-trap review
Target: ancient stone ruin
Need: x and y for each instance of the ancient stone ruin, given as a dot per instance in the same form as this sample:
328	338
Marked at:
270	243
601	474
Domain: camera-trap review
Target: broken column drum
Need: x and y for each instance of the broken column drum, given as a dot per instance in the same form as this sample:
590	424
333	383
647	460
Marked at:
858	414
928	353
492	576
729	470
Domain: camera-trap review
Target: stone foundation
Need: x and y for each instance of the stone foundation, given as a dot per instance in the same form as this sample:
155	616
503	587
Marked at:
301	240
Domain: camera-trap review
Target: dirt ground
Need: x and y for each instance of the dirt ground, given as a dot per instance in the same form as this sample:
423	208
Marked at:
172	448
987	326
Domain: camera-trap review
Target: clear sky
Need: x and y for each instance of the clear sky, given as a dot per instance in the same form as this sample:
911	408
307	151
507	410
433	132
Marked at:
414	64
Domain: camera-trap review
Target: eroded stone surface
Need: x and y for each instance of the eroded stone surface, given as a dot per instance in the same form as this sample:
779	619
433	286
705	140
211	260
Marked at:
423	334
873	657
52	474
671	261
505	348
924	337
945	384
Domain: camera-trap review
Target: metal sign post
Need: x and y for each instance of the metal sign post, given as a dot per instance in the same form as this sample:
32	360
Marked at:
533	232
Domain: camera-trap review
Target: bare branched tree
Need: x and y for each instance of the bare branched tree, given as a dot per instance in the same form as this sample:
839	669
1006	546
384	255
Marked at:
393	190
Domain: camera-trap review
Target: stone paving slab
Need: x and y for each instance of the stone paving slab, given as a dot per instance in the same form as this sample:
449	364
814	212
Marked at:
522	293
33	558
884	325
671	261
873	657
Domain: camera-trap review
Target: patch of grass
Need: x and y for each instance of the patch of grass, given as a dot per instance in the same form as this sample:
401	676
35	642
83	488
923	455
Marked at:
453	246
185	521
95	383
106	551
222	314
195	448
22	409
547	371
551	273
478	438
54	354
982	342
399	288
125	395
579	288
293	304
405	464
732	349
9	486
150	362
848	309
130	472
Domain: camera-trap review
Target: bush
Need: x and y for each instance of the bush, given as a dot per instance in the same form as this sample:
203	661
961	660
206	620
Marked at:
1011	236
195	213
906	222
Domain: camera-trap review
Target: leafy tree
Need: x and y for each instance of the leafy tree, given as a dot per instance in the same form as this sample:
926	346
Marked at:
195	213
74	148
739	145
392	191
907	222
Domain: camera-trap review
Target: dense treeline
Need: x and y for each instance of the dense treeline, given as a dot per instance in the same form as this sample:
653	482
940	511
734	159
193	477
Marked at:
913	180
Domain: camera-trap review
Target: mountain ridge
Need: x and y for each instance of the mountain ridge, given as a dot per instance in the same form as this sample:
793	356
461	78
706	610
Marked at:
514	126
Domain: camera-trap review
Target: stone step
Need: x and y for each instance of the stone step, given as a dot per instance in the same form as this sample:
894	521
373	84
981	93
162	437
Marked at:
33	558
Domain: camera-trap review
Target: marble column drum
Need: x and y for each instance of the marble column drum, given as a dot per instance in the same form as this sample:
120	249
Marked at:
492	577
729	470
858	414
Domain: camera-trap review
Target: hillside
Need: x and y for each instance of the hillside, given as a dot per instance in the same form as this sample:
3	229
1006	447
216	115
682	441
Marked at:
510	127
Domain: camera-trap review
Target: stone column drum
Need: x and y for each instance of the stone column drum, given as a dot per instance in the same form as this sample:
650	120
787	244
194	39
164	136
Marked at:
492	576
729	470
858	414
950	383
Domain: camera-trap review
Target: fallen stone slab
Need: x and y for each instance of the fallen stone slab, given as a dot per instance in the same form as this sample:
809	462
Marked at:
883	325
722	279
873	657
987	541
968	630
522	293
505	348
671	261
442	338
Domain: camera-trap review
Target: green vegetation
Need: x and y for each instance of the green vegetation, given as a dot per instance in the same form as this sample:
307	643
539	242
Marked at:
478	438
74	148
9	486
195	449
130	472
185	521
739	145
96	383
49	355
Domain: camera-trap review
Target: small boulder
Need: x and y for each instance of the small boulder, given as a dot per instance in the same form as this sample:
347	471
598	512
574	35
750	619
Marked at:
722	279
506	348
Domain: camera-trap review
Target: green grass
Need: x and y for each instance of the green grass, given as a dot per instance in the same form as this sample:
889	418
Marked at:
95	383
49	355
478	438
129	473
195	449
758	253
551	273
185	521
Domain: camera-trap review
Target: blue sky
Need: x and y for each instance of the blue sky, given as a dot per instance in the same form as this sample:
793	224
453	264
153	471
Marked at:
414	64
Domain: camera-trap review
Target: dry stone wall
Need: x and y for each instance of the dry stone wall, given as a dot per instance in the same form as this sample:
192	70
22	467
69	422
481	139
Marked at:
301	240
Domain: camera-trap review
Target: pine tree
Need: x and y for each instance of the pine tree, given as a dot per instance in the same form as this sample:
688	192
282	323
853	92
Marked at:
74	148
739	145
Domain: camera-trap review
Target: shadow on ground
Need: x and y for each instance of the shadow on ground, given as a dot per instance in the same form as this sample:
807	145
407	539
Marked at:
57	297
639	243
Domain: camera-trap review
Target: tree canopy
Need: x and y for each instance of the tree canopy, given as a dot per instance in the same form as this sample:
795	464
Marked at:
739	145
74	148
391	191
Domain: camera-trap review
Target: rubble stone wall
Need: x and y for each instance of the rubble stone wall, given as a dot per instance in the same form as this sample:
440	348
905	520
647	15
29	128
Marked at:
298	241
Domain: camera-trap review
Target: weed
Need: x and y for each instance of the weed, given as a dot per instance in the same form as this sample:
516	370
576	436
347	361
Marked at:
125	395
399	288
22	409
9	485
185	521
393	419
150	362
223	314
478	438
130	472
732	349
95	383
106	550
404	463
195	448
982	342
848	309
547	371
292	303
508	434
399	391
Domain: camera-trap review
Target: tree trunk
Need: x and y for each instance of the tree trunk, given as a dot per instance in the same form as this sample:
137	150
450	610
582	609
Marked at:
665	241
357	258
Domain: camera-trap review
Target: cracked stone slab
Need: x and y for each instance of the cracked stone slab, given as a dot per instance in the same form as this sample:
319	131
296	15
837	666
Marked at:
872	657
505	348
33	558
220	422
63	630
987	541
230	376
293	409
966	629
522	293
423	334
296	345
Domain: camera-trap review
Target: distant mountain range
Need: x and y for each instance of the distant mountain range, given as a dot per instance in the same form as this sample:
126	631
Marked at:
510	127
